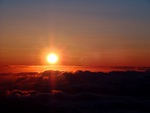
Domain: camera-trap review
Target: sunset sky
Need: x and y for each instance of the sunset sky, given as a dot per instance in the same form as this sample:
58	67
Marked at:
81	32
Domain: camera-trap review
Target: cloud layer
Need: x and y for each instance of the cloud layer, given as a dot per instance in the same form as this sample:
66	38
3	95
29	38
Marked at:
76	92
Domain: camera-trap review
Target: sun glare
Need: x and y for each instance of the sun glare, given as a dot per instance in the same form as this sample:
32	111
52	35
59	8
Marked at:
52	58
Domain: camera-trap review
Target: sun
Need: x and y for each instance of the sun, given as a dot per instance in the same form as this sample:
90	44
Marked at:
52	58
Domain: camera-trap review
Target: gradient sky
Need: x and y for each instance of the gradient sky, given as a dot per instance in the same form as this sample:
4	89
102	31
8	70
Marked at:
82	32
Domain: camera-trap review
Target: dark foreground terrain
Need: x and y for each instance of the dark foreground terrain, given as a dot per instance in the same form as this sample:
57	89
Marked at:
75	92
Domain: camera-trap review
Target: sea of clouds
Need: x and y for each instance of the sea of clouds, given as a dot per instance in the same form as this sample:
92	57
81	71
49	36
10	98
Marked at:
75	92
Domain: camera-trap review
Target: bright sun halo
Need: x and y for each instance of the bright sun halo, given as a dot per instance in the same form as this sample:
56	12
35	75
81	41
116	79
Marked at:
52	58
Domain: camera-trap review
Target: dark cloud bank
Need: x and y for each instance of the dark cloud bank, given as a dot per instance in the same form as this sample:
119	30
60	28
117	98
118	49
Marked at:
78	92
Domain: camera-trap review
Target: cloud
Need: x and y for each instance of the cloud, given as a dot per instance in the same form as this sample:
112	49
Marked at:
19	93
59	91
129	83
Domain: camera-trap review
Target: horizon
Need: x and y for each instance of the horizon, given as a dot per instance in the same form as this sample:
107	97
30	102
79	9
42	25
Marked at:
67	68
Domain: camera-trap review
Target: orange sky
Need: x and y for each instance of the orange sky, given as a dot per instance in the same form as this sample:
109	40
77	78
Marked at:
101	33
